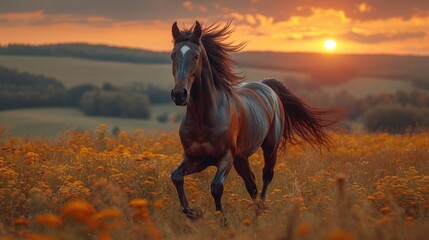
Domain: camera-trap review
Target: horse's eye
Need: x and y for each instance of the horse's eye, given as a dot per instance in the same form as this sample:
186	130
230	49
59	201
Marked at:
196	57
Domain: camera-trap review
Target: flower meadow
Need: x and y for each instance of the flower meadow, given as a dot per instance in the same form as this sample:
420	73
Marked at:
95	185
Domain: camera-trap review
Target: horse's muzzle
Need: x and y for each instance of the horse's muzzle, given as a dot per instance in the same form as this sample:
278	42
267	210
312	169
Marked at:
179	96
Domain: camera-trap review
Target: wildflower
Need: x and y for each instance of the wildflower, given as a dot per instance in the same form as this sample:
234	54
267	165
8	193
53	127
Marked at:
158	204
106	219
138	203
20	221
340	235
246	222
276	190
79	210
303	229
49	220
385	210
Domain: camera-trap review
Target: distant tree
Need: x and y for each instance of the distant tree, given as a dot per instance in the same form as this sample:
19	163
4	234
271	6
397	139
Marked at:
25	90
158	95
162	117
109	87
74	94
118	104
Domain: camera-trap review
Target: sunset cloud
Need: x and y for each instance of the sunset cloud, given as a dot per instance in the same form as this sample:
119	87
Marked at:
359	25
382	37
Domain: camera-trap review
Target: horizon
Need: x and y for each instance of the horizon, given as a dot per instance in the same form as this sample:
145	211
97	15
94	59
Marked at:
356	27
242	51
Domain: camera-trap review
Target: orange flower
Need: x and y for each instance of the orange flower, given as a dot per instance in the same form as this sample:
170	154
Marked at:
303	229
339	234
158	204
138	203
385	209
20	221
106	219
79	210
49	220
246	222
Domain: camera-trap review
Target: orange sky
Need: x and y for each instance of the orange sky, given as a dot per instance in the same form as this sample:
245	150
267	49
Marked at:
358	27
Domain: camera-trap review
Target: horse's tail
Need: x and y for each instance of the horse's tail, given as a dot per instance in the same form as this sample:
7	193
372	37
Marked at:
303	122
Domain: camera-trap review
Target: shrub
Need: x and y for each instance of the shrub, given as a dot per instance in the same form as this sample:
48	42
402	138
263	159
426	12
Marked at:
115	104
395	118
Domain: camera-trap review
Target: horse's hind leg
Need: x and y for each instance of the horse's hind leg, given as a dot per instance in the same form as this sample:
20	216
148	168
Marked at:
242	167
270	158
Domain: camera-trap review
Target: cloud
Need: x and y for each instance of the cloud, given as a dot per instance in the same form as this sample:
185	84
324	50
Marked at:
279	10
382	37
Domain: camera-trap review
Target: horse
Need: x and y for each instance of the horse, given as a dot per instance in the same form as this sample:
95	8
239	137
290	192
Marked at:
226	120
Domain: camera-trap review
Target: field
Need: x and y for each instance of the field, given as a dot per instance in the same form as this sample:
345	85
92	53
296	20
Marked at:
50	121
92	185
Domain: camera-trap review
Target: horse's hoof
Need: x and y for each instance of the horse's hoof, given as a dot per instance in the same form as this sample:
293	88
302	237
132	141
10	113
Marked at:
260	208
221	219
193	214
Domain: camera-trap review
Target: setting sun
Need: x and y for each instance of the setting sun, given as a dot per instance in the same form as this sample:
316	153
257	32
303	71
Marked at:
330	44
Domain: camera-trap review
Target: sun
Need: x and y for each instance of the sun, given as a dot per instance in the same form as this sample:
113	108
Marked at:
330	44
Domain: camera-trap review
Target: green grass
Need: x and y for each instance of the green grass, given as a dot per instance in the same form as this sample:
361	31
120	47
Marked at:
51	121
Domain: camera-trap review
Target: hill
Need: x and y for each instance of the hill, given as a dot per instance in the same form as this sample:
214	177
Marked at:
325	68
332	69
87	51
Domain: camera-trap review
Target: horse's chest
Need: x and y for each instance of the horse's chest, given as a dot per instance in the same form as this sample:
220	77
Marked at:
202	149
204	146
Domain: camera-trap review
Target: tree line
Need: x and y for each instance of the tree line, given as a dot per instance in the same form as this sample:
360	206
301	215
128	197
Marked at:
25	90
87	51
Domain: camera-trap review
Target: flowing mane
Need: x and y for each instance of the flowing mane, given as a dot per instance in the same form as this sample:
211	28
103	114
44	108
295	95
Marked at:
218	52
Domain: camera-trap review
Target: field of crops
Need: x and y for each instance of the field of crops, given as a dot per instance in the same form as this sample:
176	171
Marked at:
92	185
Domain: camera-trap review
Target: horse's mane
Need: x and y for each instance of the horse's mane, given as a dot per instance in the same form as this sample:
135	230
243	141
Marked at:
218	52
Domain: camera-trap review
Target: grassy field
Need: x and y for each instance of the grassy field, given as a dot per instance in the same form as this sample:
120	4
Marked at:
91	185
51	121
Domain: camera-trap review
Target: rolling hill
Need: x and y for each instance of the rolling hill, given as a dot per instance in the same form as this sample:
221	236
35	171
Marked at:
328	69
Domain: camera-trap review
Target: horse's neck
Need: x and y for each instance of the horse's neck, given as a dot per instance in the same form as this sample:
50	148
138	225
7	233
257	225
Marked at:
204	96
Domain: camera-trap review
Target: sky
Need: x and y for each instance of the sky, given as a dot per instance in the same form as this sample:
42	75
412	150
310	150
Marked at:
357	26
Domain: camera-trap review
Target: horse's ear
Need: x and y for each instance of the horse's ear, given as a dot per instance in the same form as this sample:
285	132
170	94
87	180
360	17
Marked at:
196	35
175	31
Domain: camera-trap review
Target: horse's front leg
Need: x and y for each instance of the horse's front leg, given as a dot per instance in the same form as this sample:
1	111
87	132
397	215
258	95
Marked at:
224	165
177	176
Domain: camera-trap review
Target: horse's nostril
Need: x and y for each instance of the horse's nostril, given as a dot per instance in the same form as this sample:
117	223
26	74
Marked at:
184	94
172	95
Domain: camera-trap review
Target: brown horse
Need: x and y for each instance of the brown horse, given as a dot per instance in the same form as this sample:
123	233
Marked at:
226	121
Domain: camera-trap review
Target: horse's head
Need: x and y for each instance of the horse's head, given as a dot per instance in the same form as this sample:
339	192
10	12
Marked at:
187	63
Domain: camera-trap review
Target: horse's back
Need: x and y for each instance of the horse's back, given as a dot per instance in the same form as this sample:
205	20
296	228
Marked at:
262	112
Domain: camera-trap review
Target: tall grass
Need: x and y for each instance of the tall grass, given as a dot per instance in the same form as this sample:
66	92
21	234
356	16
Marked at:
92	185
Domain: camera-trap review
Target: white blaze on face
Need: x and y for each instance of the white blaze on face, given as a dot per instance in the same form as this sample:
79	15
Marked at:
184	49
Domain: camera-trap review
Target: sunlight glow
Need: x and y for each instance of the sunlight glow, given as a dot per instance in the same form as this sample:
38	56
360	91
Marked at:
330	44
